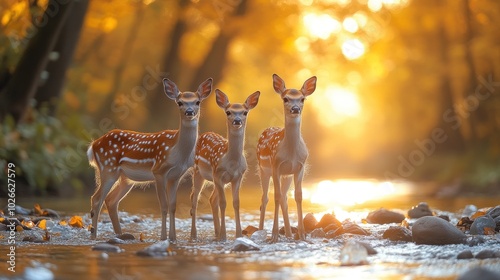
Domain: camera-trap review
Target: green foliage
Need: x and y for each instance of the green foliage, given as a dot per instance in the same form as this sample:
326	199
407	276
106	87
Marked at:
43	149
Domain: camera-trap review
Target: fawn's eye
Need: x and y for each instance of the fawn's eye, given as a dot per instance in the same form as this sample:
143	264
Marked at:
245	113
285	100
179	103
198	103
228	113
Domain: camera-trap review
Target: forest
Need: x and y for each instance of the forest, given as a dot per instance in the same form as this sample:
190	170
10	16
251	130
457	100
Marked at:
407	89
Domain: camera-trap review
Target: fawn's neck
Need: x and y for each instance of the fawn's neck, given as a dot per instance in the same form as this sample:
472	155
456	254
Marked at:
292	137
236	140
188	133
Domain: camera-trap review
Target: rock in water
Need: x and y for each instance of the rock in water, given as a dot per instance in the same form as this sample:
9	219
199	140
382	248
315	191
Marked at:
259	236
38	273
106	248
487	254
482	225
242	244
432	230
353	253
397	233
419	211
465	255
159	249
469	210
310	222
384	216
327	220
494	212
318	233
480	273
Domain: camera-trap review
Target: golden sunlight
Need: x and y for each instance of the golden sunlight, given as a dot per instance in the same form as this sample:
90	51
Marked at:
336	104
350	24
353	48
321	26
349	192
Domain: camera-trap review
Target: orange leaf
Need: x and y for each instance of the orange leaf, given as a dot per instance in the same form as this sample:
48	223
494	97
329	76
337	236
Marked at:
489	231
63	223
38	209
76	221
19	228
42	224
28	224
141	237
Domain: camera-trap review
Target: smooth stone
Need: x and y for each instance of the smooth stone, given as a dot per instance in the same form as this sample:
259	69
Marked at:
353	253
259	236
327	220
369	249
397	233
292	228
38	273
469	210
242	244
115	240
464	255
310	222
384	216
105	247
318	233
249	230
432	230
419	211
479	273
487	254
494	212
482	224
354	229
126	236
159	249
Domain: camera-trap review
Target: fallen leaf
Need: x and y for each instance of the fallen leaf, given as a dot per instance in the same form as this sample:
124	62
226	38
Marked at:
76	221
38	210
489	231
28	224
141	237
2	219
19	228
479	213
42	224
63	223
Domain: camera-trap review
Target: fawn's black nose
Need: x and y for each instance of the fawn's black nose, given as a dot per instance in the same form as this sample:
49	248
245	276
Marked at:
295	110
237	122
190	112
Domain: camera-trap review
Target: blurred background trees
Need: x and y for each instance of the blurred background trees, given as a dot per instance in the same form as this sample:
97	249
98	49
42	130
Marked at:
406	89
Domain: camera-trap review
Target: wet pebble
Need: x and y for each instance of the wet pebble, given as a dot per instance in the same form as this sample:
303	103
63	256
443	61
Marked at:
464	255
353	228
384	216
34	237
432	230
318	233
419	211
38	273
494	212
397	233
259	236
369	249
106	248
327	220
115	240
353	253
469	210
476	240
310	222
206	217
482	225
126	236
50	213
479	273
292	228
19	210
3	227
159	249
331	227
243	244
487	254
335	233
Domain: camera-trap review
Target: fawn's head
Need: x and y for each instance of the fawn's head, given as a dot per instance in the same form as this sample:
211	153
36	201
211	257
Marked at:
236	113
293	99
188	102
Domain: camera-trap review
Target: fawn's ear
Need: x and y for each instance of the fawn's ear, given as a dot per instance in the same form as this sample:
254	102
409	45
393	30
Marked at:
278	84
221	99
309	86
205	89
170	88
252	100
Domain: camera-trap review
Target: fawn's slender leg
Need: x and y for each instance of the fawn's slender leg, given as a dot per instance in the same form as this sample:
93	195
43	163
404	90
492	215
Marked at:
113	200
264	178
298	199
236	204
97	200
286	181
195	196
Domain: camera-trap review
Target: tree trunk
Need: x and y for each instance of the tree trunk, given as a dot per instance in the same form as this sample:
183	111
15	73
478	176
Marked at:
15	97
123	61
52	88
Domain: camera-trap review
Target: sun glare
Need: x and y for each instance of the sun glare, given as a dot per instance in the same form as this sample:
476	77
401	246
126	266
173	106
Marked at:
336	105
321	26
353	49
349	192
